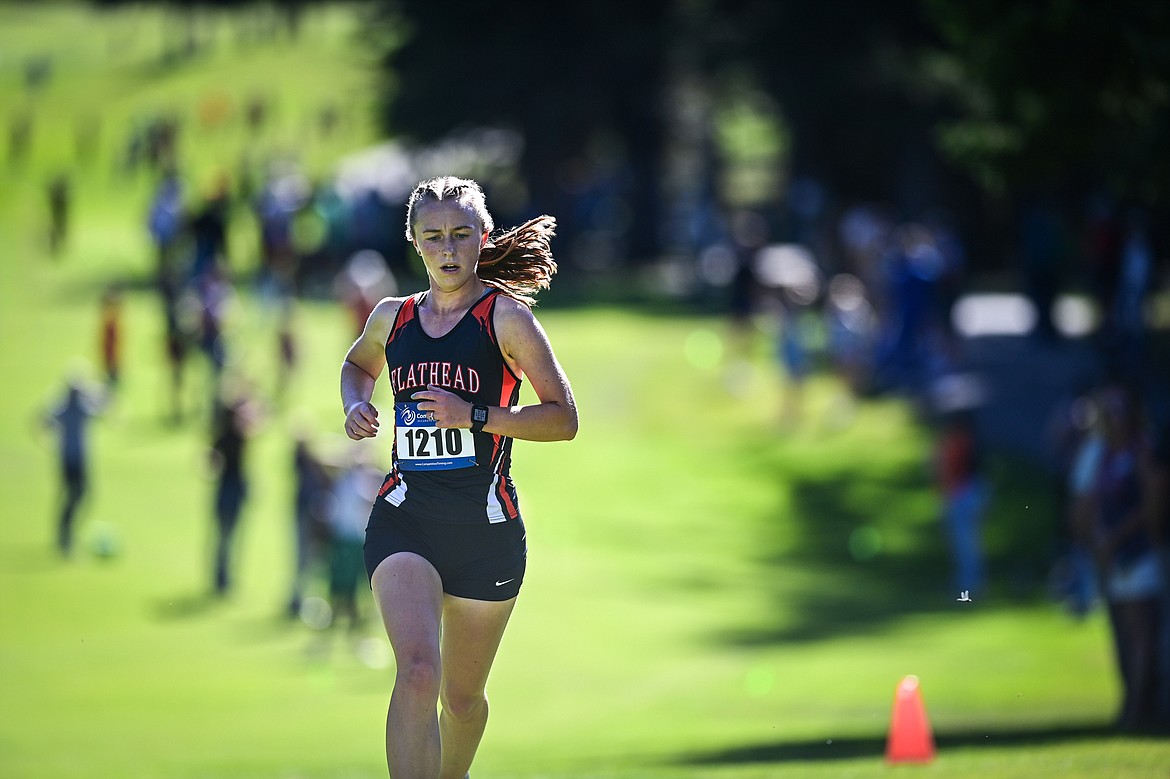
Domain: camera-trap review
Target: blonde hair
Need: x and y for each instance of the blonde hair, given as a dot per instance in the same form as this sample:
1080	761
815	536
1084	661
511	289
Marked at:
519	261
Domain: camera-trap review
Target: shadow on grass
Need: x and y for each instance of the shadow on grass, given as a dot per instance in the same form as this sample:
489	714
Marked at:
874	747
862	545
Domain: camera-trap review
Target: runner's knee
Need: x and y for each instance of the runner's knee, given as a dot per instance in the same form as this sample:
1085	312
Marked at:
464	707
419	675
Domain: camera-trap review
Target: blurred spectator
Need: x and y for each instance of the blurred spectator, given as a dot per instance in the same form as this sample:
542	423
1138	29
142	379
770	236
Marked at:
165	223
850	322
256	113
215	296
71	418
233	422
209	233
864	233
321	233
58	195
789	275
38	72
181	315
1135	281
749	232
159	142
285	192
111	337
1159	514
1076	442
353	493
912	332
1115	516
364	281
953	277
328	118
310	502
1103	239
286	347
792	351
19	138
372	222
959	470
1042	245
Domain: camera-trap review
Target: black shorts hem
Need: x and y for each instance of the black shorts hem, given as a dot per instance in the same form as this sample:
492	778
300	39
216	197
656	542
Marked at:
484	561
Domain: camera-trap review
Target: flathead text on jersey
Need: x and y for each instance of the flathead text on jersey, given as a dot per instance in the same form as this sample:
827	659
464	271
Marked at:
444	374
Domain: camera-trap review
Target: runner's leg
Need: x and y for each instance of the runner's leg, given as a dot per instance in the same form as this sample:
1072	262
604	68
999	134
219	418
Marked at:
472	630
409	595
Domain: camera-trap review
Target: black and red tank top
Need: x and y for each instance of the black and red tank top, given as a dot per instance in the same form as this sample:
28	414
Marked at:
450	475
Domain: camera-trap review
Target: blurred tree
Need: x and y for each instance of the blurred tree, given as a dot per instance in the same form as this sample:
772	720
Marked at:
1058	95
566	74
291	11
841	72
878	101
570	77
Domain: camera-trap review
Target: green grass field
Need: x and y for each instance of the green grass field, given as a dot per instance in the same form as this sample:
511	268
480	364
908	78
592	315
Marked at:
709	595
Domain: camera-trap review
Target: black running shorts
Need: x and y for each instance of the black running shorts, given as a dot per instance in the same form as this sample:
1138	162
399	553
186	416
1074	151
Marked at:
481	561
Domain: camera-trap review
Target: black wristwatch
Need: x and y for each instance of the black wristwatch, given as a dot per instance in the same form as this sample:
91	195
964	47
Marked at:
478	417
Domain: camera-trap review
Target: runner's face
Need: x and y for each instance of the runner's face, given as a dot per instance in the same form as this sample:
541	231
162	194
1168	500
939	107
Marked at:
448	236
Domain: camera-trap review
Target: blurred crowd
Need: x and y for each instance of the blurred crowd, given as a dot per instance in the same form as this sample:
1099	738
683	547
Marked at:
1114	440
317	240
884	303
890	308
196	284
333	484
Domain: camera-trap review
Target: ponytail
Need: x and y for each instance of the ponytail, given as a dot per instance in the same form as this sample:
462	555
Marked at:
519	262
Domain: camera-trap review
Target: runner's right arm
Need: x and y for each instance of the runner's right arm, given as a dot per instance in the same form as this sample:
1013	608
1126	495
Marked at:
363	364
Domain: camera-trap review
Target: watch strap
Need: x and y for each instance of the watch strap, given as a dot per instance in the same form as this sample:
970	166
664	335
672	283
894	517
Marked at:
479	417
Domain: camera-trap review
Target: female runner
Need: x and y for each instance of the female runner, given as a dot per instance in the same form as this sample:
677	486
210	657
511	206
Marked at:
445	548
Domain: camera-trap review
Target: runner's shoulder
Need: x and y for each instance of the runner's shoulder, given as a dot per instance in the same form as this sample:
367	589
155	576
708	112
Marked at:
382	316
511	313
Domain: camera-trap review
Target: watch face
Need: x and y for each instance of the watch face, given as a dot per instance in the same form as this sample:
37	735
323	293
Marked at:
479	414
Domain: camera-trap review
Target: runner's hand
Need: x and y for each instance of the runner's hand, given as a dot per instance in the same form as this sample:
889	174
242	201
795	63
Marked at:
447	408
361	421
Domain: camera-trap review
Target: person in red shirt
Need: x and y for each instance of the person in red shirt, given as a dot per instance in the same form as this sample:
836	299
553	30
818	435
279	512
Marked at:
111	337
964	493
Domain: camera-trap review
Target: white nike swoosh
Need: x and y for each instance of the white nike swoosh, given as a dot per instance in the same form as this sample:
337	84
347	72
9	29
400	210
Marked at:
501	584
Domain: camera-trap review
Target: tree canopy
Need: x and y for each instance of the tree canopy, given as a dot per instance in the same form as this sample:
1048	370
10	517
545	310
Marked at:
909	101
1057	94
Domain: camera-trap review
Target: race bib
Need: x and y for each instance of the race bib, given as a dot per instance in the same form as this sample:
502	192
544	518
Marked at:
421	446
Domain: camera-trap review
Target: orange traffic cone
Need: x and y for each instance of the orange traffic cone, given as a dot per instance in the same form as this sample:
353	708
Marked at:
910	739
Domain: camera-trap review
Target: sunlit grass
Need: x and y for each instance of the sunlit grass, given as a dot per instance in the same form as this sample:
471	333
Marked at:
711	593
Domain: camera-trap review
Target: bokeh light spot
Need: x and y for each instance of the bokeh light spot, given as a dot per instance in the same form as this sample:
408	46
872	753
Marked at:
703	349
